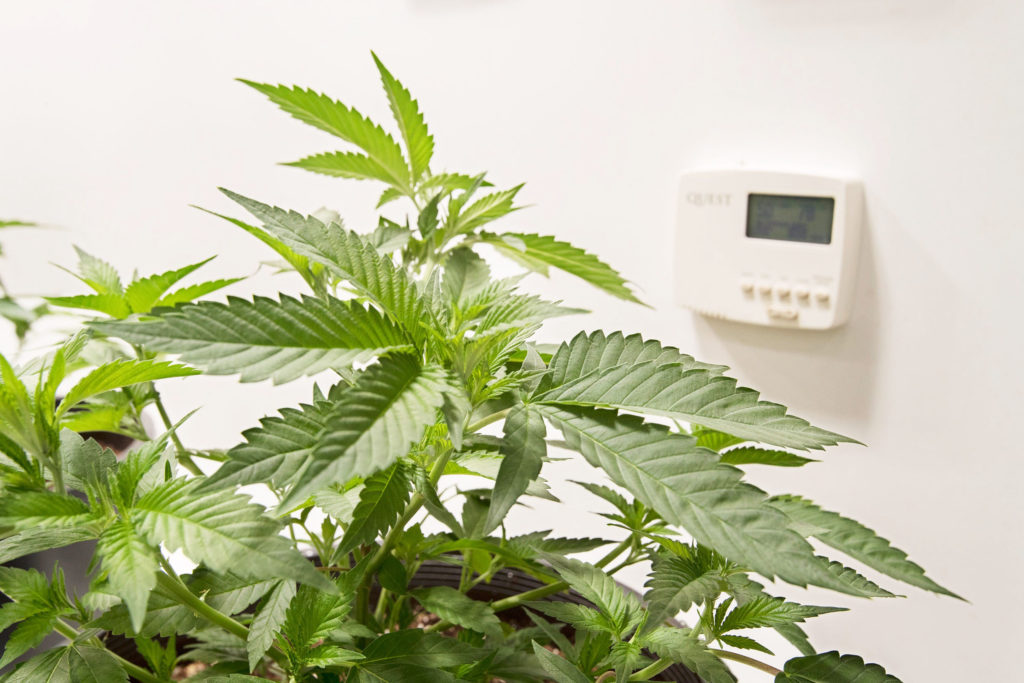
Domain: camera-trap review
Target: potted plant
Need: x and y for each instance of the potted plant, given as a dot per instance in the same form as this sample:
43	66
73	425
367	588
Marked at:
369	565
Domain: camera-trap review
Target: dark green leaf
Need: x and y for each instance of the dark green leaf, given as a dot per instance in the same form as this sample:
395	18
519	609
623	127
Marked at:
831	667
558	668
453	606
524	449
857	541
381	501
760	456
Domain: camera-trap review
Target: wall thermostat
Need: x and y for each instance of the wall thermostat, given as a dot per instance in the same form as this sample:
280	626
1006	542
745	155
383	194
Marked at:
775	249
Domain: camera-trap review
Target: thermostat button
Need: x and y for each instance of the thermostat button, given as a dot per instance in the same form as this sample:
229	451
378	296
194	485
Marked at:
801	292
747	286
783	312
822	295
782	290
765	287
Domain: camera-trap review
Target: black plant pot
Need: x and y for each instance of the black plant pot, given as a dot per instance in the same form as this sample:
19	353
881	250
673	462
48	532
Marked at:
506	583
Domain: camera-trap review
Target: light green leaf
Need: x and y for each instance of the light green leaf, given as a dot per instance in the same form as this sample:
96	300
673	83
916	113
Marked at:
381	501
688	486
691	395
373	424
559	668
71	664
266	339
130	565
193	292
346	123
113	305
268	621
98	274
221	530
142	294
524	449
275	451
831	667
350	256
539	251
344	165
451	605
681	646
418	141
465	273
857	541
484	210
749	455
121	373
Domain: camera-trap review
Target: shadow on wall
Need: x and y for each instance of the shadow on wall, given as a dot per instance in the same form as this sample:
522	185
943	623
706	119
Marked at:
831	372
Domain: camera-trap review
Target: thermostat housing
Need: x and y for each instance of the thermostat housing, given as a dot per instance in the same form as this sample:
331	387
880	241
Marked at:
768	248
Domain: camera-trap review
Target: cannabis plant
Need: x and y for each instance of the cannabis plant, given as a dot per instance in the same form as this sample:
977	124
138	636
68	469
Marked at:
435	384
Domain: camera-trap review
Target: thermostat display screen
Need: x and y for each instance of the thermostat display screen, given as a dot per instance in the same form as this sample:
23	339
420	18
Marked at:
794	219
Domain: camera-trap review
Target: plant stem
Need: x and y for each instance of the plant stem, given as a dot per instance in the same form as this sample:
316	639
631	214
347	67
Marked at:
136	672
749	661
493	417
183	457
170	581
606	676
649	672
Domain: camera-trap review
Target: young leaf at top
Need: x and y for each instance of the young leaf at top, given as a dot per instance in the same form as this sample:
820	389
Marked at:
344	122
418	141
537	252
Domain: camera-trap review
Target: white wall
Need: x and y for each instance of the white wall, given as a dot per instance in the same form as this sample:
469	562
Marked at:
114	116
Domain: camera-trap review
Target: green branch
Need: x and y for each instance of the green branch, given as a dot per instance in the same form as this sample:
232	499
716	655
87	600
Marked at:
749	661
136	672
